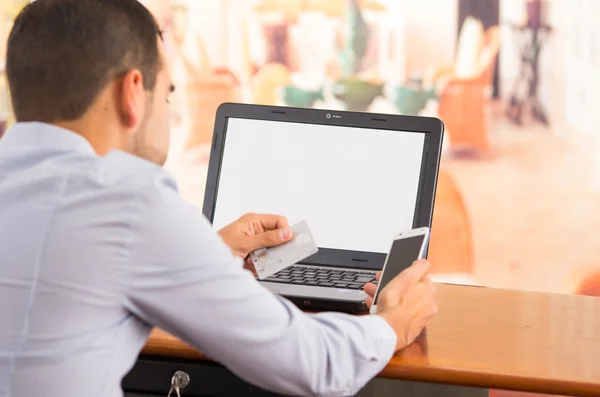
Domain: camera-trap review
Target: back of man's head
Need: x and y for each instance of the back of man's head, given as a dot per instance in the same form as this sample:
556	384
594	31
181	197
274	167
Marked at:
62	53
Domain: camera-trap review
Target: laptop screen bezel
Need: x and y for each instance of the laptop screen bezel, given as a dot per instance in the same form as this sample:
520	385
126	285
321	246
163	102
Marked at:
432	128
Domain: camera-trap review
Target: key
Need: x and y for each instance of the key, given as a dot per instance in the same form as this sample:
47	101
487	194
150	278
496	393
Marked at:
355	286
325	284
179	381
363	279
276	280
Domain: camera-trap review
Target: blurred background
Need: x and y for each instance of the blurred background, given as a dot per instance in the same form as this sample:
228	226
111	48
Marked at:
517	83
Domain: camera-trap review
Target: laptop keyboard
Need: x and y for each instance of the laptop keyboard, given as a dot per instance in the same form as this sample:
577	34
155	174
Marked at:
323	277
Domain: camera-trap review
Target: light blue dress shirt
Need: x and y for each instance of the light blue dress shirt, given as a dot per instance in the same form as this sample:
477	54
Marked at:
95	251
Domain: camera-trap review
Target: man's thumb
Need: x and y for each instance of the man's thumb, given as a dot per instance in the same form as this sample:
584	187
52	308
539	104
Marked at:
409	277
417	270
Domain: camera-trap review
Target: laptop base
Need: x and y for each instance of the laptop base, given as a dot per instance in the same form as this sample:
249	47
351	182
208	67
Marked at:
318	305
320	298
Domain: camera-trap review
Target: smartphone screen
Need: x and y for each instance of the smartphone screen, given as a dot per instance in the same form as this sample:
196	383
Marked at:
403	253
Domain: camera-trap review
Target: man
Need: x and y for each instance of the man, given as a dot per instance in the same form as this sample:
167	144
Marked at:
97	246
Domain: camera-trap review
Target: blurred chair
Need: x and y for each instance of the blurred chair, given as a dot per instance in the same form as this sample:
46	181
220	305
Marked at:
465	88
584	281
590	285
451	246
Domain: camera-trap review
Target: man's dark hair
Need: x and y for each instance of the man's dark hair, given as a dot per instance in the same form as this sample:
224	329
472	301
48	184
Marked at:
62	53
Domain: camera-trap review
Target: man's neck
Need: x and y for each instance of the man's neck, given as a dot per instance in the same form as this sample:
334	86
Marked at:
95	132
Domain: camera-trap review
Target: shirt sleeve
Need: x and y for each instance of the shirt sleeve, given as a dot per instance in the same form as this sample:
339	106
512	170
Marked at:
181	277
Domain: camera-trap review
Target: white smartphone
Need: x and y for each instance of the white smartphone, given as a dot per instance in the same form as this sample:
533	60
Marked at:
406	248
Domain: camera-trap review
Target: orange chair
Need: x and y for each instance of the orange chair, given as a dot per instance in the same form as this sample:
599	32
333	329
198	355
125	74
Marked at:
451	247
463	100
584	281
204	95
590	285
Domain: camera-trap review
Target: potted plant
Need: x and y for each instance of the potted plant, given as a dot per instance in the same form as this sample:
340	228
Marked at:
355	92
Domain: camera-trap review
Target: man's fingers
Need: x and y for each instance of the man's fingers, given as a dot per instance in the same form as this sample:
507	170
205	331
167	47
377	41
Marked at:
271	238
270	222
378	276
428	281
248	265
417	271
256	227
370	289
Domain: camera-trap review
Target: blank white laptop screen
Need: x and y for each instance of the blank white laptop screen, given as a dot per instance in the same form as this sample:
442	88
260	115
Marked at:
356	187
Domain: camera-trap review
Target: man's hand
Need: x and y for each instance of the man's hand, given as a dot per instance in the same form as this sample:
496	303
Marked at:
407	303
254	231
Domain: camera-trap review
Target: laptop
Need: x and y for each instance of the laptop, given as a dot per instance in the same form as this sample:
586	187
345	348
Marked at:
357	179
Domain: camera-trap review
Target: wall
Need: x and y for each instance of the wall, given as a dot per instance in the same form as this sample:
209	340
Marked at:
429	37
431	32
583	64
203	15
229	50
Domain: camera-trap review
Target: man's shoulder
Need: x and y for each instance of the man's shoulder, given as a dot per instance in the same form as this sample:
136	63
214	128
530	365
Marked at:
120	169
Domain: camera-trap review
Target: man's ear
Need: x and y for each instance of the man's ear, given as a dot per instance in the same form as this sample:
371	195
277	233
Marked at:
132	98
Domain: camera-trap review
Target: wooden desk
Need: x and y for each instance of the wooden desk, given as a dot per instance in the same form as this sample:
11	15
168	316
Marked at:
489	338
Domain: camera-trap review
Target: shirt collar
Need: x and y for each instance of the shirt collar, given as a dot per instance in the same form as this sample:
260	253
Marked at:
45	136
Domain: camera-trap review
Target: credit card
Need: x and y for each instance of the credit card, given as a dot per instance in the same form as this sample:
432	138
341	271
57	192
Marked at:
268	261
